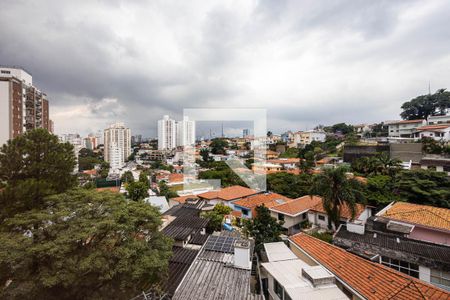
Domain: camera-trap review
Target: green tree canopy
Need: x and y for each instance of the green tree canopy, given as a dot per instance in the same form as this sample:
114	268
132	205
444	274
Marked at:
216	217
263	227
137	190
218	146
205	154
33	166
423	187
83	245
127	177
289	185
337	190
424	106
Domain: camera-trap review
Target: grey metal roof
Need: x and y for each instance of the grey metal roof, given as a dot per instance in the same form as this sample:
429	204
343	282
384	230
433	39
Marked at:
213	276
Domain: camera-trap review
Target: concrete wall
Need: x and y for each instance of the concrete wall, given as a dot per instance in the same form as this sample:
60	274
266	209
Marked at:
428	235
4	112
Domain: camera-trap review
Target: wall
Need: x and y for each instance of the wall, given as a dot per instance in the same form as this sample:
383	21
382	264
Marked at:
4	112
433	236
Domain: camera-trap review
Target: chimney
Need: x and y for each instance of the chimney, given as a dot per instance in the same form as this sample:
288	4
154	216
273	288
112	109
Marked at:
242	254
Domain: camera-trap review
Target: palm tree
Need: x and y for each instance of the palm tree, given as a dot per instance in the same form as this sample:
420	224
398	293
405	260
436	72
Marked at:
337	190
388	165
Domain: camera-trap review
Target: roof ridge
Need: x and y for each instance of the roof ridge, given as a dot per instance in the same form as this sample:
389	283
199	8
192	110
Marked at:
403	287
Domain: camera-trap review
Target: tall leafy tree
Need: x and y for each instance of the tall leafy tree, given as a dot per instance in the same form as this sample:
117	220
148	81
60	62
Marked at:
424	106
137	190
204	154
218	146
216	216
33	166
289	185
263	227
337	190
423	187
83	245
127	177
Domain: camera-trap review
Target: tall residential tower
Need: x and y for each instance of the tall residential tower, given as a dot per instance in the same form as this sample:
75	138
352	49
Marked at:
117	147
22	106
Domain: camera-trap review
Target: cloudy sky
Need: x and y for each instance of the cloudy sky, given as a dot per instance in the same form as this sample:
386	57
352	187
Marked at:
306	62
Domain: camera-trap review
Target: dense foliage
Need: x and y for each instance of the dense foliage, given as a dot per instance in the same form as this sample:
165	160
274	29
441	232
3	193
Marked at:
424	106
57	242
263	227
33	166
220	170
337	190
289	185
137	190
83	245
216	216
218	146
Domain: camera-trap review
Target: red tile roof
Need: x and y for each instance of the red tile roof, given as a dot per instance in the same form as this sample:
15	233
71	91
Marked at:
175	178
282	161
268	200
228	193
406	121
345	211
370	280
298	205
90	172
438	127
425	215
182	199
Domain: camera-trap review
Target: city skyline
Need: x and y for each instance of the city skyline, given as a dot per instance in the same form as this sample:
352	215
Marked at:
141	61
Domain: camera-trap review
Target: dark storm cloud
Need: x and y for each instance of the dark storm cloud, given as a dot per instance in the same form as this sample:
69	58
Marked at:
307	62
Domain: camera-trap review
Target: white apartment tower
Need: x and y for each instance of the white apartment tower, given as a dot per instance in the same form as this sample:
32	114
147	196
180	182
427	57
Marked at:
117	147
23	107
185	132
166	134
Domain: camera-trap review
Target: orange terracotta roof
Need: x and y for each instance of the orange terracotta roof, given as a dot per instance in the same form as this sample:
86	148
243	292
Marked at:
114	189
281	161
269	200
182	199
236	214
175	177
345	211
298	205
90	172
425	215
228	193
406	121
433	127
370	280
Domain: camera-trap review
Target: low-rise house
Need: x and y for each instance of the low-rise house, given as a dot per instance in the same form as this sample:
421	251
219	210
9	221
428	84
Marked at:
307	137
285	163
405	128
183	222
392	248
439	163
433	120
359	278
439	132
318	216
272	154
227	195
181	199
294	212
310	209
266	168
221	270
288	277
420	222
247	206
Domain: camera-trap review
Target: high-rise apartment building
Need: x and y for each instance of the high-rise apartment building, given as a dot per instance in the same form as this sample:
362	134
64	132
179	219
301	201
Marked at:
172	134
185	132
117	147
22	106
166	134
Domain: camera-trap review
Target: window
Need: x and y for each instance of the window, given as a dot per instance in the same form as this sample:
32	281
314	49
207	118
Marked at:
304	215
245	212
402	266
6	72
440	277
280	217
278	289
322	218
